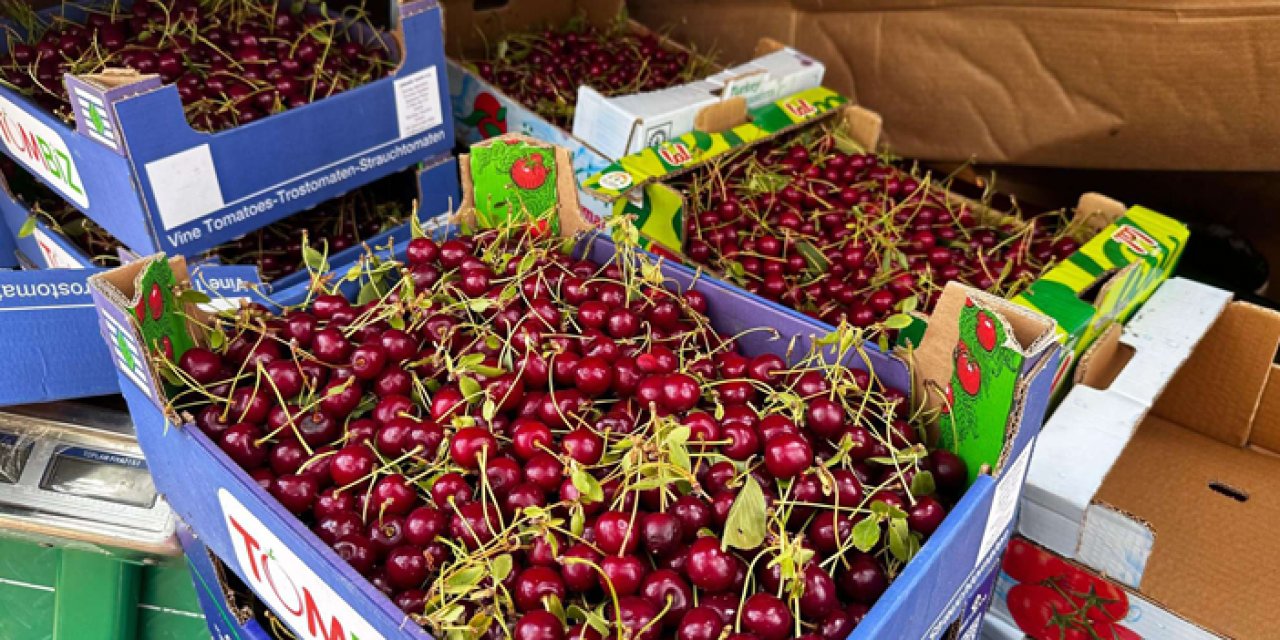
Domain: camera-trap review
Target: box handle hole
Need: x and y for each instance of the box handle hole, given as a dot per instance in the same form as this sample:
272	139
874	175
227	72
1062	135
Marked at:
1229	491
488	5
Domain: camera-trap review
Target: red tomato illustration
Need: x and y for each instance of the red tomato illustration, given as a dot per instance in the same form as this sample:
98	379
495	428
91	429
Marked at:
986	331
529	173
967	371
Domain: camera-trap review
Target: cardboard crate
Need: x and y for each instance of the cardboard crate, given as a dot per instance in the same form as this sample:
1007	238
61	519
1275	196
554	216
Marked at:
47	320
47	248
1132	250
604	129
228	612
1158	471
136	167
1037	84
949	581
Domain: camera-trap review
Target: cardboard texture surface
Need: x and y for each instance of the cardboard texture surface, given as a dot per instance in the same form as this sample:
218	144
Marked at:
950	580
1218	389
1213	560
1110	84
1151	479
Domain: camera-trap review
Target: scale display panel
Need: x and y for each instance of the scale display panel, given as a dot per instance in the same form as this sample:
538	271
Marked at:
76	471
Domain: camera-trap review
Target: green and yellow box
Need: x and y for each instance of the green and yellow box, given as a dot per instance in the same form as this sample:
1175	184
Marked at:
1132	249
634	185
1107	279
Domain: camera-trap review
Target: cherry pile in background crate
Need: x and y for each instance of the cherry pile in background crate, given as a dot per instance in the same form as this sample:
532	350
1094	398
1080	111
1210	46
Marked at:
544	70
276	249
233	61
510	442
818	225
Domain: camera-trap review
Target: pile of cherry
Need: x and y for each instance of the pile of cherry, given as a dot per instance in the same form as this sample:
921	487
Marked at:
276	249
510	442
544	70
233	61
843	235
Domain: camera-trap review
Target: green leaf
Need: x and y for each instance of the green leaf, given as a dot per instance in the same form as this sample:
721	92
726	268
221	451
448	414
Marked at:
488	410
812	257
368	293
745	527
470	388
466	578
191	296
866	534
680	457
677	436
487	371
415	227
501	567
901	540
314	260
216	339
909	304
28	227
588	486
898	321
922	484
577	521
480	305
396	322
554	606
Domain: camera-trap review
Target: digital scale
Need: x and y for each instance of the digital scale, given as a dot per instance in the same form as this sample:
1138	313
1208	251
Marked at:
74	471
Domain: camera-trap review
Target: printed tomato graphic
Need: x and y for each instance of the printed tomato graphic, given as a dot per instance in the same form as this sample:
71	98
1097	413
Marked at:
155	301
1039	612
1101	600
167	345
488	116
950	396
1027	563
529	173
967	371
985	331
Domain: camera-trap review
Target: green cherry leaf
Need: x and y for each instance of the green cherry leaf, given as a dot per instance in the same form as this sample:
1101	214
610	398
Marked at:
587	485
898	321
745	527
28	227
922	484
866	534
469	387
191	296
501	567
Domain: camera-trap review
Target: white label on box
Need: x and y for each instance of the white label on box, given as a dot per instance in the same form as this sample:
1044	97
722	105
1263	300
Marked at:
1005	502
418	102
185	186
293	591
42	150
54	255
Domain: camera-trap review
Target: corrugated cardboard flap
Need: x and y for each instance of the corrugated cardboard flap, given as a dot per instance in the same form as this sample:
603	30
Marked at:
1210	499
1218	391
1032	336
568	211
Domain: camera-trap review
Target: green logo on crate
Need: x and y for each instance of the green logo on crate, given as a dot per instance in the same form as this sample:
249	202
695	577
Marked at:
159	312
513	179
981	392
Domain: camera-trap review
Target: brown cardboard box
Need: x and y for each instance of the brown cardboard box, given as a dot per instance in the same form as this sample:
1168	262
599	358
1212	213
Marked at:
1135	84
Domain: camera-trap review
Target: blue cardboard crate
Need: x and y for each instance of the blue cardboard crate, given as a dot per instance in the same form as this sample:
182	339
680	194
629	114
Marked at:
222	616
133	164
47	321
946	586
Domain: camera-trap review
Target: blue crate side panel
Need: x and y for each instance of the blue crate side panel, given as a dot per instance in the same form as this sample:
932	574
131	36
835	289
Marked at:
47	334
223	624
183	191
